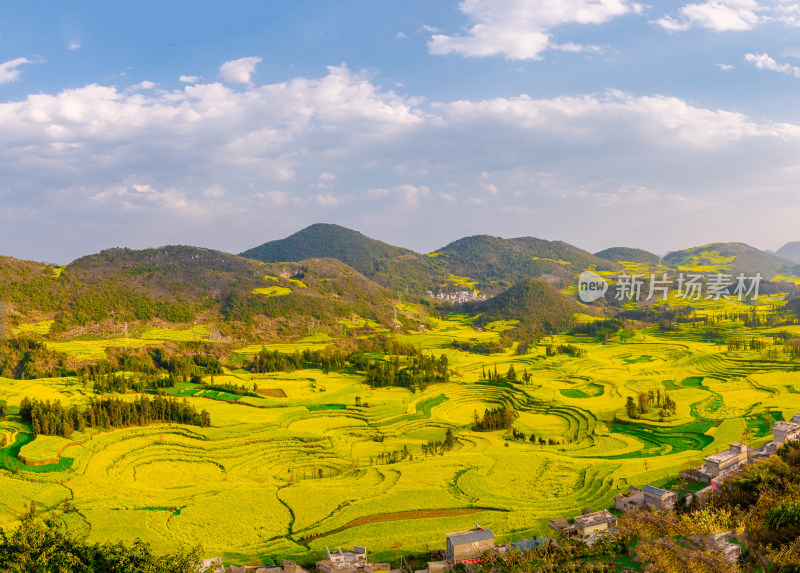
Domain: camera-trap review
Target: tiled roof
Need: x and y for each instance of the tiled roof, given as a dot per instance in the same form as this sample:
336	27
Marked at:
471	537
654	490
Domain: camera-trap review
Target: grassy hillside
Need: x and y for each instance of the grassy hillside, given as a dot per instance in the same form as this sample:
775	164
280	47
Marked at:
503	262
176	284
629	255
734	258
540	309
393	267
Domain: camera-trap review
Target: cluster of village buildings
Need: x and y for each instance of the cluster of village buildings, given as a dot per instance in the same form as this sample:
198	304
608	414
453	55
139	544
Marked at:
472	546
459	296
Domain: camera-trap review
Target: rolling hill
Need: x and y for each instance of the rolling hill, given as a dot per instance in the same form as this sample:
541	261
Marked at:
629	255
390	266
179	284
503	262
539	307
735	258
790	251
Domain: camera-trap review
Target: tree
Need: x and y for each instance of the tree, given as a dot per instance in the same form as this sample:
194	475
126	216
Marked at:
644	402
44	546
630	406
511	375
449	439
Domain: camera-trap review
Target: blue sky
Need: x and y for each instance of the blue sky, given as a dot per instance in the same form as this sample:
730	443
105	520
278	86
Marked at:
597	122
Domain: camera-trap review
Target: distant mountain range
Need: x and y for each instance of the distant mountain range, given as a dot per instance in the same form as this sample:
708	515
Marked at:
329	275
491	263
790	251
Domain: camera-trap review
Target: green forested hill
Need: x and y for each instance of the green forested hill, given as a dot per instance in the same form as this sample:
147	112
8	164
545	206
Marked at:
181	284
539	307
508	261
617	254
734	258
393	267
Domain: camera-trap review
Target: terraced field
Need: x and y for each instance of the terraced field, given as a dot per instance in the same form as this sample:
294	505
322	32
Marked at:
301	466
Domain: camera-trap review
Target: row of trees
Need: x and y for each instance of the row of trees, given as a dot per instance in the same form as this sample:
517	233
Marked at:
640	406
121	383
407	366
570	349
274	361
52	419
510	375
417	370
499	418
752	344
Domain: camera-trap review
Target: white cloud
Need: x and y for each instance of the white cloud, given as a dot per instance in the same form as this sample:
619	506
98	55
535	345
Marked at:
764	62
732	15
376	193
521	29
269	156
327	200
74	46
725	67
274	197
400	36
490	188
215	191
791	52
9	71
145	85
239	71
189	79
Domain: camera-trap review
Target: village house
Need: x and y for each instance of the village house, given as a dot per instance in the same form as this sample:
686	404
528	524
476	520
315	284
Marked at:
354	561
470	545
590	524
650	496
658	498
736	456
718	466
564	527
781	432
634	499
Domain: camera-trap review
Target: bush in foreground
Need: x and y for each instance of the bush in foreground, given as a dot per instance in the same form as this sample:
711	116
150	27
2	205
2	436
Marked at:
43	547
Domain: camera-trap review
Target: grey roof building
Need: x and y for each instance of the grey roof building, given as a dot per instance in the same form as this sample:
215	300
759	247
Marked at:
659	498
470	544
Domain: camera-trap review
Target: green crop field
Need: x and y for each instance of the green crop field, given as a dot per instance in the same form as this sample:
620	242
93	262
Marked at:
302	466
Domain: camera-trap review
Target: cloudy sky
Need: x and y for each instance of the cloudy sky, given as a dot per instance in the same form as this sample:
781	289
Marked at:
660	125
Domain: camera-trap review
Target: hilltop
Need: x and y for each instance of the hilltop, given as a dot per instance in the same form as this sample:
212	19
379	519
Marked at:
629	255
734	258
790	251
393	267
540	308
502	262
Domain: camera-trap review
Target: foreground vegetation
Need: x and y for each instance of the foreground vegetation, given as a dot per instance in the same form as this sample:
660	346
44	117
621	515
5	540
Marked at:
44	546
